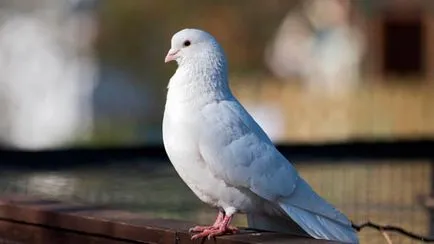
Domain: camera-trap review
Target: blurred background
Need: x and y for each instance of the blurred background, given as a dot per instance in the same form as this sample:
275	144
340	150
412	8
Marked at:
90	74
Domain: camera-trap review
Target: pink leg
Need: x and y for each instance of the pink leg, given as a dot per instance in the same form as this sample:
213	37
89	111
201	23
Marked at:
217	222
222	228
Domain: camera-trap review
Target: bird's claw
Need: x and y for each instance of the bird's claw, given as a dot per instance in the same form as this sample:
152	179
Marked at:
200	228
212	231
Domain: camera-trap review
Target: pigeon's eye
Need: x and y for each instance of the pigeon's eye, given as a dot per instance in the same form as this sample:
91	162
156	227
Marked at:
187	43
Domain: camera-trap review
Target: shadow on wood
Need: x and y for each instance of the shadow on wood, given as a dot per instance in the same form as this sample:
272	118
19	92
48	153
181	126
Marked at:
25	219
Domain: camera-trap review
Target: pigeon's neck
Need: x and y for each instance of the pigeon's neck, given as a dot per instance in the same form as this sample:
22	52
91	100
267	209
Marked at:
204	81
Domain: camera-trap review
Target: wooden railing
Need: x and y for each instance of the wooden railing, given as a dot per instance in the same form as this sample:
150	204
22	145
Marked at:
25	219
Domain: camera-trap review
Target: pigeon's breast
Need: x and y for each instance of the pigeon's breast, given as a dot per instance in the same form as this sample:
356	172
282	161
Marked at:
181	144
181	138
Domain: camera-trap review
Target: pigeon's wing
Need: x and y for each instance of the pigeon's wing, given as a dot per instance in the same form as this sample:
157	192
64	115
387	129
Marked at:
238	151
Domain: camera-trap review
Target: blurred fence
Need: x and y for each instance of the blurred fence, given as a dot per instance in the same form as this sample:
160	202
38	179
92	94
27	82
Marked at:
385	182
386	192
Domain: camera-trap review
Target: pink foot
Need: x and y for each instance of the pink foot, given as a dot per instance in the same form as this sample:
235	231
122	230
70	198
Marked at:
200	228
216	224
216	230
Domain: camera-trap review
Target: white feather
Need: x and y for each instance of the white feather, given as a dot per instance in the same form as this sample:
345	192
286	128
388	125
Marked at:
226	158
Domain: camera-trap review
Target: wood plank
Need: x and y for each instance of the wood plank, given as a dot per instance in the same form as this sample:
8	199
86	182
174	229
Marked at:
25	219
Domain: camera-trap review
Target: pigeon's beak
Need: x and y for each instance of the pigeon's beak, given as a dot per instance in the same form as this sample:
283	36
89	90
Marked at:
171	55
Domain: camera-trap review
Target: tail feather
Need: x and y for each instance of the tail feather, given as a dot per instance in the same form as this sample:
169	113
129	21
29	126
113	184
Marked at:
310	212
321	227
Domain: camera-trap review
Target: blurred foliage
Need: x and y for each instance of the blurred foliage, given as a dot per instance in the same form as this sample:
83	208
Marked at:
135	35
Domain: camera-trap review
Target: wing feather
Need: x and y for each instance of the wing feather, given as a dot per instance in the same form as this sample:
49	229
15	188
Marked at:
238	151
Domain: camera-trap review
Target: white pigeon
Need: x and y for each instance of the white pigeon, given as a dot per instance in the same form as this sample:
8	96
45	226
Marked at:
226	159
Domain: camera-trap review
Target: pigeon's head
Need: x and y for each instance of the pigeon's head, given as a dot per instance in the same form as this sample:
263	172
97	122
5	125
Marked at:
193	46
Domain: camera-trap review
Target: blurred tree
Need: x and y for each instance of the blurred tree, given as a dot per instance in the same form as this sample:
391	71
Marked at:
136	34
134	38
